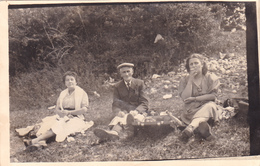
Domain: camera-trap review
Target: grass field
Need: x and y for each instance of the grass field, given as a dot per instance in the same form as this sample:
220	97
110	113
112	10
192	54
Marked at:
232	134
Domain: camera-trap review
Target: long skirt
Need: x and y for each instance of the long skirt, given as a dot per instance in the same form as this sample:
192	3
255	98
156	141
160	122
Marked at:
207	110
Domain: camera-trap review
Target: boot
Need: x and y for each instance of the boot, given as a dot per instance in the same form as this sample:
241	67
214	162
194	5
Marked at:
105	135
205	131
186	134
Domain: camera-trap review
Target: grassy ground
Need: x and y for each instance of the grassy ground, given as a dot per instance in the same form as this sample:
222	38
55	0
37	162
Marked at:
232	134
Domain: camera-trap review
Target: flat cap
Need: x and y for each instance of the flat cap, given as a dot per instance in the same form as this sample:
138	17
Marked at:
125	65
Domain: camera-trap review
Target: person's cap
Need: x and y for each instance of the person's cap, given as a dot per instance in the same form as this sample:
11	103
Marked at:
125	65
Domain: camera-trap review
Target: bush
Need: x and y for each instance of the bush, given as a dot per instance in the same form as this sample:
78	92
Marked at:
42	37
226	42
93	39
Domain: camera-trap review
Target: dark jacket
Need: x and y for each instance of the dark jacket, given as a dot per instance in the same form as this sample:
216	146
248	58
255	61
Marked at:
132	99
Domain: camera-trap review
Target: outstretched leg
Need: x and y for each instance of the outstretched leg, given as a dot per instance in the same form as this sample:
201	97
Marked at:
43	137
188	131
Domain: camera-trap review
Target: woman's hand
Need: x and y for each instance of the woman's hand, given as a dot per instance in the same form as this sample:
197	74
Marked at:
63	113
193	73
67	113
189	99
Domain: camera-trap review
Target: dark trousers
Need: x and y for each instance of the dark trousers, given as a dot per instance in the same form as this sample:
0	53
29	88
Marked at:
120	105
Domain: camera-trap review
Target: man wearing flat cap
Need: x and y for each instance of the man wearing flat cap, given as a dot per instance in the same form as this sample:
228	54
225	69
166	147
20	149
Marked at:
129	103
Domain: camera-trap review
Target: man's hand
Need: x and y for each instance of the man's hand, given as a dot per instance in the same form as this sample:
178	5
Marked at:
121	114
144	114
133	112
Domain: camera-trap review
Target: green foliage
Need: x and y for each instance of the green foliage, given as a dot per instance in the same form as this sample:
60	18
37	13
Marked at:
44	36
234	16
229	15
93	39
227	42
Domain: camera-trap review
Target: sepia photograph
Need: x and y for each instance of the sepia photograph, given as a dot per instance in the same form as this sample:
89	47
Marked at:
136	81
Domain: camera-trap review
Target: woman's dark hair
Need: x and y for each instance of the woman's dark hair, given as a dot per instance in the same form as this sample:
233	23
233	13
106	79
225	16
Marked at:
202	60
70	73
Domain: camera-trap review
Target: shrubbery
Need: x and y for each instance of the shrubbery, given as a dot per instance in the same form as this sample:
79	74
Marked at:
93	39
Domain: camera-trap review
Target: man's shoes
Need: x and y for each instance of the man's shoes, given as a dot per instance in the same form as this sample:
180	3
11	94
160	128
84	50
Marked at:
186	134
205	131
33	147
106	134
27	142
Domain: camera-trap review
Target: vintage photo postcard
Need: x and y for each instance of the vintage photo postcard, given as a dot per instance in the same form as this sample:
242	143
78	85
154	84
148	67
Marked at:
129	82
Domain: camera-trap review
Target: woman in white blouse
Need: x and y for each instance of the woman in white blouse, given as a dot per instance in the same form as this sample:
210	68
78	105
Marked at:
70	108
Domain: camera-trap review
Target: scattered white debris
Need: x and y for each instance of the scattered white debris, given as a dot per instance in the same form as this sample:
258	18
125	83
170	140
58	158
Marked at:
167	96
70	139
232	55
158	38
213	65
222	70
228	71
15	160
152	113
171	74
167	81
51	107
155	76
233	30
164	113
175	86
111	80
96	94
243	27
222	55
153	90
